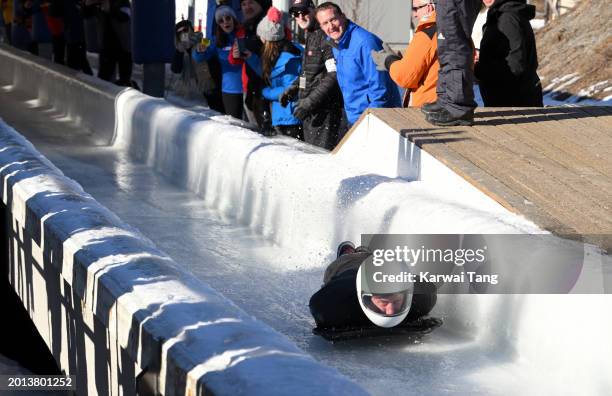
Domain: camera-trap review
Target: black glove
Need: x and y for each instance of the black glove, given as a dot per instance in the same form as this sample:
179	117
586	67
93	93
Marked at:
385	57
301	112
288	96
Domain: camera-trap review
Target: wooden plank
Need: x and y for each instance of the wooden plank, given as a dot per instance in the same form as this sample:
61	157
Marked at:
487	183
494	188
558	120
599	116
554	182
532	136
523	177
583	124
568	141
519	158
522	141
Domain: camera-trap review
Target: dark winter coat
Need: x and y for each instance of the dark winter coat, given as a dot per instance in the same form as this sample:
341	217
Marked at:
508	58
336	304
319	93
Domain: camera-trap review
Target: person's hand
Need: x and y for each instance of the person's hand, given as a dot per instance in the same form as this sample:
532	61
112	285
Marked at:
235	50
202	45
284	99
287	96
380	57
301	111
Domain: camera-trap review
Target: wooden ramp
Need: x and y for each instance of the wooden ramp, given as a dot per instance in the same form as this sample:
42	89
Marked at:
552	165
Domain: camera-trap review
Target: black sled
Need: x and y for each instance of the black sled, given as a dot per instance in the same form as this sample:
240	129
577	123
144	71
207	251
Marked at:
418	327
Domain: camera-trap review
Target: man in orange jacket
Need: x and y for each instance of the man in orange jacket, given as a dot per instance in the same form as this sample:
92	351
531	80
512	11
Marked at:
417	70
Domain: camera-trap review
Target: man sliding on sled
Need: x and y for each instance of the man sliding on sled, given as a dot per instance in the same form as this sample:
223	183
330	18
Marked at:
344	303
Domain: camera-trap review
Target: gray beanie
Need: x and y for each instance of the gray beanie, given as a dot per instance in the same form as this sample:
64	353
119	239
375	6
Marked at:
224	10
271	27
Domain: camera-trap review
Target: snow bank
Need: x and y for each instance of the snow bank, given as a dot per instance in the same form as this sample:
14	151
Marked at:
100	292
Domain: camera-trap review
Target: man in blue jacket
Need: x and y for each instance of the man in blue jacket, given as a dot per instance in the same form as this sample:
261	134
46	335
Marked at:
361	84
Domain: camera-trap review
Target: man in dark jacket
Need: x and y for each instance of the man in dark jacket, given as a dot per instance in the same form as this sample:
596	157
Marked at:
508	57
336	304
319	105
115	26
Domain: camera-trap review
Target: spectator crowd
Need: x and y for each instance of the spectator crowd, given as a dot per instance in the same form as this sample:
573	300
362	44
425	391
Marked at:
314	88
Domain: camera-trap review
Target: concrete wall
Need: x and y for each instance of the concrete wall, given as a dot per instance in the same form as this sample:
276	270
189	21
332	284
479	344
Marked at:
114	310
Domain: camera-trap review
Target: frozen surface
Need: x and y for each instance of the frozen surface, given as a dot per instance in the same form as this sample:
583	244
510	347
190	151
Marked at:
258	219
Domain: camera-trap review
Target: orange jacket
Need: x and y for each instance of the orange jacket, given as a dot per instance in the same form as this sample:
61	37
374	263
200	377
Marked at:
417	71
7	11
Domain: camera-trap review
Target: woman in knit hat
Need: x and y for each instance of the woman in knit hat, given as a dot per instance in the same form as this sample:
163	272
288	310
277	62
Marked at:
231	80
281	63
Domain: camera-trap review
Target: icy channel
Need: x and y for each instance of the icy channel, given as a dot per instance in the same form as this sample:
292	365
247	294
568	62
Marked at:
258	219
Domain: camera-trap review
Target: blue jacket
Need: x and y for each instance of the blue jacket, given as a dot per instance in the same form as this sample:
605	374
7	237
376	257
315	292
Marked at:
283	74
231	75
361	84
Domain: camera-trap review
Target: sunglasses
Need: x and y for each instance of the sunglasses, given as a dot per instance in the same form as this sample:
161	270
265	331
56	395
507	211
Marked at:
415	9
301	13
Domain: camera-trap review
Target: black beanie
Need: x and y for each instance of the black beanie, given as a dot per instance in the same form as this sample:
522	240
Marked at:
265	4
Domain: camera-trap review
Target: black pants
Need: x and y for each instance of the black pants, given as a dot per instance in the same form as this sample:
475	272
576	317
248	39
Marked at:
215	101
77	58
33	48
455	20
321	128
233	104
59	49
294	131
257	110
110	58
7	32
113	54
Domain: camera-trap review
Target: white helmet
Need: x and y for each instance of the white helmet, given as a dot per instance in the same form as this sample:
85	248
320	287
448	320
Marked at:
386	304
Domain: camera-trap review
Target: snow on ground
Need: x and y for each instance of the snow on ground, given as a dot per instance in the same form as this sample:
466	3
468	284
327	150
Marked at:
537	23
